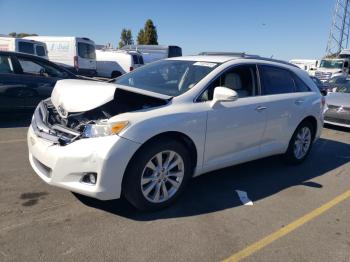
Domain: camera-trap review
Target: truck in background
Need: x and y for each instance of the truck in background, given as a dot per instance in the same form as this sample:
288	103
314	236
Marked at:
75	53
151	53
114	63
332	67
309	65
8	43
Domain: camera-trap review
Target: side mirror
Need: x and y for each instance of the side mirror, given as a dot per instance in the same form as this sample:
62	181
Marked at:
223	94
324	92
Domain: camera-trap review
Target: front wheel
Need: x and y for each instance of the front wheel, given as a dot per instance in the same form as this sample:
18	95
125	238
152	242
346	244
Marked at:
300	143
157	175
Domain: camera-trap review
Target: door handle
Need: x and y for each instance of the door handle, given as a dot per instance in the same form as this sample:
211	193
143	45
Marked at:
299	101
260	108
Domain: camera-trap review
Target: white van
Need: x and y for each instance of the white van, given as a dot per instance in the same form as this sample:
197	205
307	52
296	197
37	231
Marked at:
153	53
75	53
114	63
27	46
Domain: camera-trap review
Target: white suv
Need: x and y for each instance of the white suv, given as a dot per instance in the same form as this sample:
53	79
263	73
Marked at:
149	132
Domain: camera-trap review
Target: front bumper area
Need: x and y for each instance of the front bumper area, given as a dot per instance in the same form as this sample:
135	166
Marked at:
64	166
337	115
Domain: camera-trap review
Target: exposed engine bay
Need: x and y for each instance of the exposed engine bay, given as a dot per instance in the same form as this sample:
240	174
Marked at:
49	124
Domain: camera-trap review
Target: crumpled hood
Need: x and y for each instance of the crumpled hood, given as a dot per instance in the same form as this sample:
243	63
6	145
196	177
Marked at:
338	99
81	95
71	96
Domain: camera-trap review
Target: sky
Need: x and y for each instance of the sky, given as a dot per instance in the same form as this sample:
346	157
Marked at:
284	29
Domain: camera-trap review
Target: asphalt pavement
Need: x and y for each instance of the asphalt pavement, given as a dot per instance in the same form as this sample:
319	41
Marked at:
208	223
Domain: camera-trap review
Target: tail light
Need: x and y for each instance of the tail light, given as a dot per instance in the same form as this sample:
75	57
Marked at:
131	68
76	63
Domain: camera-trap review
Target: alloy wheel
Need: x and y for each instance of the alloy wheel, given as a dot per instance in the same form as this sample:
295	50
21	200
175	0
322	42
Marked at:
302	142
162	176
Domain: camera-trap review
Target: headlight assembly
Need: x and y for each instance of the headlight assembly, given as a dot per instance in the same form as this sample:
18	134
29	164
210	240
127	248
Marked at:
103	128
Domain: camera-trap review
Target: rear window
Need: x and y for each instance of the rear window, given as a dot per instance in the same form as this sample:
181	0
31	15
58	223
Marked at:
25	47
86	51
137	59
40	50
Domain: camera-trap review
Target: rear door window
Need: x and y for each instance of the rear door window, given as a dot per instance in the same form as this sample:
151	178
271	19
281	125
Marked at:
40	50
25	47
86	51
5	65
275	80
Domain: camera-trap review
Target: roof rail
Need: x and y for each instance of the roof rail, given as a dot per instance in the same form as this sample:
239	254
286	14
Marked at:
247	56
273	60
235	54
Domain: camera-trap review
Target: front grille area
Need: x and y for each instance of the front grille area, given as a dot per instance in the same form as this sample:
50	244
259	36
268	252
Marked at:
323	75
55	133
45	170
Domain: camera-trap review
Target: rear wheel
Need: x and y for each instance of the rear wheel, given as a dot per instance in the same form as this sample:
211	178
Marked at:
157	175
300	143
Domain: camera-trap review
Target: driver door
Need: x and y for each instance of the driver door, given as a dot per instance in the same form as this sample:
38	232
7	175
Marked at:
235	128
38	83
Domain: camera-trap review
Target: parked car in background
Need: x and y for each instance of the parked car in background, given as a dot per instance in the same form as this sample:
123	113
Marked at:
114	63
25	80
338	106
75	53
149	132
335	82
151	53
23	45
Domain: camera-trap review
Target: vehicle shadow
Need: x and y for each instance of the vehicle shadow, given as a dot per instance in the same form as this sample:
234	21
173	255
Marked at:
15	119
214	191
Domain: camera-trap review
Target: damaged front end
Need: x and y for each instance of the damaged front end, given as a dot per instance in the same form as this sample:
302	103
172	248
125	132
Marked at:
54	124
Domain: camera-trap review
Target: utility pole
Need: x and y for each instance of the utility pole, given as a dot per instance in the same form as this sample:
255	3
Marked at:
339	33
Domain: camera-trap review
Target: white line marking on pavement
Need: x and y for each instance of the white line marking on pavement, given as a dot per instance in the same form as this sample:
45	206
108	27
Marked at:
12	141
243	196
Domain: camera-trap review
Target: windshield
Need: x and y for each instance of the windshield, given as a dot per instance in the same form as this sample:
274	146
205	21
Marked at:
332	64
167	77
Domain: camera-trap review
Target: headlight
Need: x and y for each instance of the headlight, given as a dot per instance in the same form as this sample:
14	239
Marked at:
103	128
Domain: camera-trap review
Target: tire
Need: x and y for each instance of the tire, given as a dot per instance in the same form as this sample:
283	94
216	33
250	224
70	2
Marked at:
144	196
115	74
292	156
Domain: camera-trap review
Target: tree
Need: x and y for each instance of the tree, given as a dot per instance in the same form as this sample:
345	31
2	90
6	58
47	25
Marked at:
148	35
126	38
20	35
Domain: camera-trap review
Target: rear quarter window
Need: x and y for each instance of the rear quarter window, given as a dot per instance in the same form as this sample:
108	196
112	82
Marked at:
300	86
